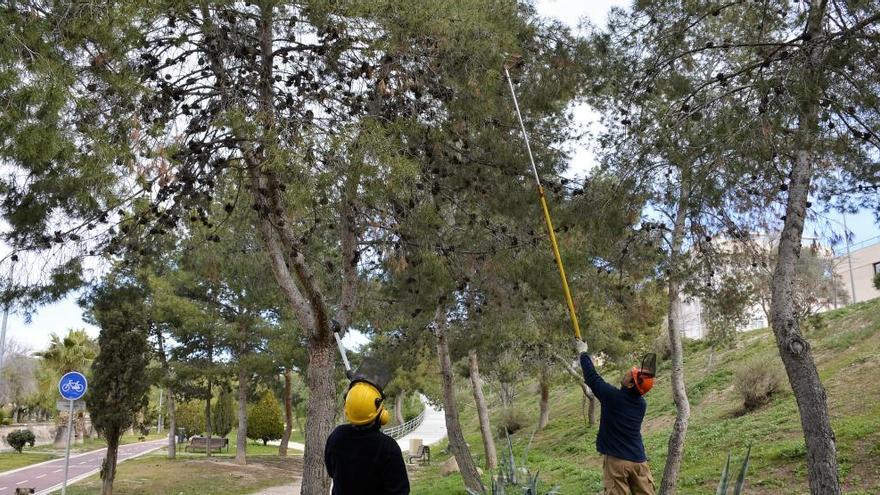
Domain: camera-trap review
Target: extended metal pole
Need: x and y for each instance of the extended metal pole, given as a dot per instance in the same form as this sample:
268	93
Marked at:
67	449
342	351
567	292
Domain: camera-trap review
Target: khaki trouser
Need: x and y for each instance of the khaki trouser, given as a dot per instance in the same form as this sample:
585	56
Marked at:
624	477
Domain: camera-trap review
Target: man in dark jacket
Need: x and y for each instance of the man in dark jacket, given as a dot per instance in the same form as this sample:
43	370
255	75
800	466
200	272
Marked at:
359	457
625	465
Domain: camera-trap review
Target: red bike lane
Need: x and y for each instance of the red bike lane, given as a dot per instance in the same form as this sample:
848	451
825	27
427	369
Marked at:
47	477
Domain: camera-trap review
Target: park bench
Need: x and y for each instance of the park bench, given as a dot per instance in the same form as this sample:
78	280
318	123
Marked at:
422	454
201	443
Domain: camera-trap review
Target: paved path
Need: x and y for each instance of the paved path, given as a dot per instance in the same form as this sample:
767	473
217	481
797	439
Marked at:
47	477
432	429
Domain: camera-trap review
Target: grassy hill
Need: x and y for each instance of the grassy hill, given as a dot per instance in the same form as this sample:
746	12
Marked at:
846	344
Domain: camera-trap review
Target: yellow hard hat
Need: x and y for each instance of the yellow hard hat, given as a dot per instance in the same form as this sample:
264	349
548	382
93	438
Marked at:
363	404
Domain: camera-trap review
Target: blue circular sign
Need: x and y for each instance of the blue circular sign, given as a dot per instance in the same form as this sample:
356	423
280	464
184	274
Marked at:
73	385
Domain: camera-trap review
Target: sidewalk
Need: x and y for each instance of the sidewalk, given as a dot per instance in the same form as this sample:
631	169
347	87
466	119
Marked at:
432	429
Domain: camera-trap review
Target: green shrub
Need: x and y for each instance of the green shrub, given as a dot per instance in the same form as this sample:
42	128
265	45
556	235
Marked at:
758	380
877	280
412	407
18	439
223	414
510	422
190	416
264	419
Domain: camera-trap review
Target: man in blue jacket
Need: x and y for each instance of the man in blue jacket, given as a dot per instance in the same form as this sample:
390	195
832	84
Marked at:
625	465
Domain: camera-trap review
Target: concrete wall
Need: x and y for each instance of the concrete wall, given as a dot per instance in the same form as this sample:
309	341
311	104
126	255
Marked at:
865	260
44	433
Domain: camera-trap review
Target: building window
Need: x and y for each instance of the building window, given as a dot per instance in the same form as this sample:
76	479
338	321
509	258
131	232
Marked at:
876	268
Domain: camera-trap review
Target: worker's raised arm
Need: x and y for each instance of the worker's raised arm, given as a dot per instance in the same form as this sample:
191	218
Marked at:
600	387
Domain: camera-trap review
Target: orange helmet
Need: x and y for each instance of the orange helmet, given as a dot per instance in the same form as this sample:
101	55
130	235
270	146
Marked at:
643	381
643	377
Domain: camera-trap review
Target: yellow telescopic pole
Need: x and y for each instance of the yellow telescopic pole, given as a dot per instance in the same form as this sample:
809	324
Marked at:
547	220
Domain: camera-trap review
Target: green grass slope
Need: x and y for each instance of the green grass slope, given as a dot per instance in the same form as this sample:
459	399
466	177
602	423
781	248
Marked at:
846	345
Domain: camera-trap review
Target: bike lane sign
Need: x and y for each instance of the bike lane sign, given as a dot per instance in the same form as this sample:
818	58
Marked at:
73	385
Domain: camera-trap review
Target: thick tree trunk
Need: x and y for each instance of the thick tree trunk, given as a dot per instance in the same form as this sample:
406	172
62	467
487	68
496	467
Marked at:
544	385
241	434
172	425
288	415
453	427
675	448
321	416
108	467
482	411
793	348
398	408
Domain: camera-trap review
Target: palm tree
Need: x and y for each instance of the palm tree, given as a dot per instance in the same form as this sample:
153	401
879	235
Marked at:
74	352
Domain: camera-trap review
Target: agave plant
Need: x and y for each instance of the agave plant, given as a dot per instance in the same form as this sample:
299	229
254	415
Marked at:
740	479
513	479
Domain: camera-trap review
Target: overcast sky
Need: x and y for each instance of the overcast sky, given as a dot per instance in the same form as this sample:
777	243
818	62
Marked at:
60	317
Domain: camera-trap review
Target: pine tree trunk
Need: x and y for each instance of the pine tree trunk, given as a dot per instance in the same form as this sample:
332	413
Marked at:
208	424
453	427
288	415
241	434
172	425
108	467
544	385
675	448
793	348
398	408
482	411
321	381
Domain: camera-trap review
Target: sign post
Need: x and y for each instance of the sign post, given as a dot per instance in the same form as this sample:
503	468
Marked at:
72	386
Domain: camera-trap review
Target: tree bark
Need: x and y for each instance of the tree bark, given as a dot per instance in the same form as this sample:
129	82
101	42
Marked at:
108	467
398	408
172	425
208	425
288	414
675	448
544	385
482	411
793	347
172	419
241	434
321	416
453	427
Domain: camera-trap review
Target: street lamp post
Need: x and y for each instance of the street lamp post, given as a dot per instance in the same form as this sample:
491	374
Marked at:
852	281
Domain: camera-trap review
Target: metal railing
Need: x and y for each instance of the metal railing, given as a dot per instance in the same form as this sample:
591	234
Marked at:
401	431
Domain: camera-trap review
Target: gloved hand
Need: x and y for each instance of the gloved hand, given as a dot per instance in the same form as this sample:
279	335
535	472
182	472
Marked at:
581	346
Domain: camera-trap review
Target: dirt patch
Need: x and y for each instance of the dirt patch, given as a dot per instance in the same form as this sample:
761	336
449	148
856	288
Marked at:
659	423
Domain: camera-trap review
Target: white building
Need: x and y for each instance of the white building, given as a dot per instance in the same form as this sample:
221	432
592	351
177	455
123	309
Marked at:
858	268
694	326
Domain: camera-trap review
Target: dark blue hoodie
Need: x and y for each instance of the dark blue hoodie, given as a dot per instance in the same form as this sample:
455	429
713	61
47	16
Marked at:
623	409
